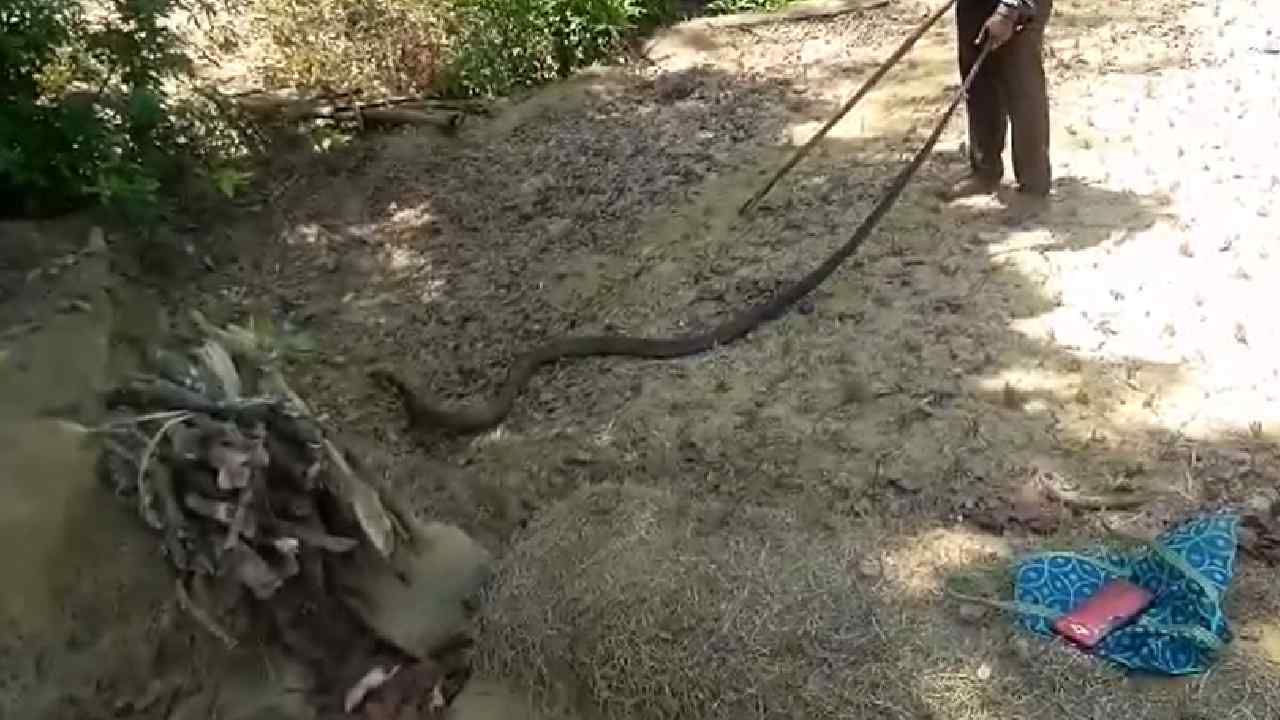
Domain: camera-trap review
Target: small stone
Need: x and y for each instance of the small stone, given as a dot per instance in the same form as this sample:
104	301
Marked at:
97	242
559	228
1263	502
984	672
1021	649
579	458
671	86
74	306
419	601
910	485
973	613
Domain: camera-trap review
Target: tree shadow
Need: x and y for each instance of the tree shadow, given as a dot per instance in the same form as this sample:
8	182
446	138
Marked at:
1083	214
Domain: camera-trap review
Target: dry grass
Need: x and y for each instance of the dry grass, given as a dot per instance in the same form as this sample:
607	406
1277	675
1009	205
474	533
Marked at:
642	605
394	46
626	603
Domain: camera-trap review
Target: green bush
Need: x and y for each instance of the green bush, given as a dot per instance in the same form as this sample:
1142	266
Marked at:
458	47
468	47
396	46
505	44
725	7
84	113
87	96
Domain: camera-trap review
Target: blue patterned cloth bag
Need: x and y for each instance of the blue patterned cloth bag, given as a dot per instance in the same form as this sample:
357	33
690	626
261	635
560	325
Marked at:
1188	569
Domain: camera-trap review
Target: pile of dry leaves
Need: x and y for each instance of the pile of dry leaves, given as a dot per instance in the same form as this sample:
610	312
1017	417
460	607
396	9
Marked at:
263	516
1041	503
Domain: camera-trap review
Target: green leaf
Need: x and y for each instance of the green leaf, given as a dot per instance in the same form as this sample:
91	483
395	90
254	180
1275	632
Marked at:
230	181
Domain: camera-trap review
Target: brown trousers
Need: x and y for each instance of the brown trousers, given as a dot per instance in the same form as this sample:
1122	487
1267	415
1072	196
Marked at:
1010	88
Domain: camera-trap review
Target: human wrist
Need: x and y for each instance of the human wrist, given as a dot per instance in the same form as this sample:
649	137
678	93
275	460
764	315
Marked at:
1009	9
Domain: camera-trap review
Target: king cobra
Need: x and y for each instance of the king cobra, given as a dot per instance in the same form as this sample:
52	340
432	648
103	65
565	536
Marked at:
427	412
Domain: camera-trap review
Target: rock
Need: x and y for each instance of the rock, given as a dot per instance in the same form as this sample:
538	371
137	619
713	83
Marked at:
671	86
973	613
1264	502
559	228
870	568
421	600
909	485
1021	649
97	242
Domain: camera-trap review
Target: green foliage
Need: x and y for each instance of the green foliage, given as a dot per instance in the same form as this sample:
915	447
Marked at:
504	44
467	47
459	47
229	181
727	7
32	32
84	109
39	144
395	46
88	110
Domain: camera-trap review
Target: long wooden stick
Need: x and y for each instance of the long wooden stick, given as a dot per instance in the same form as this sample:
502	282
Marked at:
848	105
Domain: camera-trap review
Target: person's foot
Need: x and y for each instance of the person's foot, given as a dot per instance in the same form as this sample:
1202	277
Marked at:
1024	207
970	186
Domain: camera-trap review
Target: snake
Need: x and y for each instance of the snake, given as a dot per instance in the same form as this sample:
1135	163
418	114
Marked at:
426	411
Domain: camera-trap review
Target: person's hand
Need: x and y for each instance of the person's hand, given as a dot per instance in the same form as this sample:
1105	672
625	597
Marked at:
997	30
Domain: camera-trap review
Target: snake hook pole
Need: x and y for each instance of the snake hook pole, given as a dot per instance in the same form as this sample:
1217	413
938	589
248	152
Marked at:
848	105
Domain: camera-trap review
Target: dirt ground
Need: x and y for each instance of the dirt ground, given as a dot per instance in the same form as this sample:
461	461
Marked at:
1125	340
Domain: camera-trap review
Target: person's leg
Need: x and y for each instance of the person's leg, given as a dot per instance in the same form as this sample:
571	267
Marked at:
984	105
1024	87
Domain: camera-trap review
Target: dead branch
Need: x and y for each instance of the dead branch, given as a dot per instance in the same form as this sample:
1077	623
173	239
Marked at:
201	617
1109	501
446	115
251	497
271	101
413	102
798	12
401	116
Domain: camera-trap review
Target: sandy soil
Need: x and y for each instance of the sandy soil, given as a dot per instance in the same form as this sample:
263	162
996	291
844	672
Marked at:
1124	340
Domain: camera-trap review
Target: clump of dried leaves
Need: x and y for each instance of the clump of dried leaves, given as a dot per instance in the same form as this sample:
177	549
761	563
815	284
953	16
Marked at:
255	505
